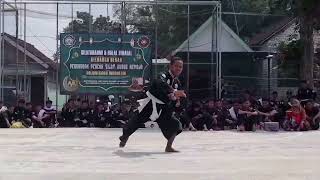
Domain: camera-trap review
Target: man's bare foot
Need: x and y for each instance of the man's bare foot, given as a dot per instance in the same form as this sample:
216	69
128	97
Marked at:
123	141
171	150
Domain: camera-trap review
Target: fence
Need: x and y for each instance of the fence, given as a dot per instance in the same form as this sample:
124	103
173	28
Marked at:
222	49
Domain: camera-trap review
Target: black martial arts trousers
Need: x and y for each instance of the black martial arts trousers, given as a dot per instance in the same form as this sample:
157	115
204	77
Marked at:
167	122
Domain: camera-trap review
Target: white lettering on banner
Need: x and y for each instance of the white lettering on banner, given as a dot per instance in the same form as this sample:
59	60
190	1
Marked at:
96	66
92	52
79	66
122	66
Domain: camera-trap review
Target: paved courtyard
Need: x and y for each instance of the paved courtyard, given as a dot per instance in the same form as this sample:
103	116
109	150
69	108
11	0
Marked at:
81	154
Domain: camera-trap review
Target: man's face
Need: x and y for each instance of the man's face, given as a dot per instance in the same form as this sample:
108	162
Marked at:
265	104
48	105
236	106
176	68
309	105
211	104
219	104
100	108
246	104
38	108
274	96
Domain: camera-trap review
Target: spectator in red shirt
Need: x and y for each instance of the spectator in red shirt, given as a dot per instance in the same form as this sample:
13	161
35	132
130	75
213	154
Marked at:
296	118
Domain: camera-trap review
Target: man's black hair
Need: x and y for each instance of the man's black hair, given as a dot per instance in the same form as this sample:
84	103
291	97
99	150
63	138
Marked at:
174	59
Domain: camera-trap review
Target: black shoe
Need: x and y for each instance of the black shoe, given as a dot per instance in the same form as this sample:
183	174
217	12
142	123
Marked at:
123	141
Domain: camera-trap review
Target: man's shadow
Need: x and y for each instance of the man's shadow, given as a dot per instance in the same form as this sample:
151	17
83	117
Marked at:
123	154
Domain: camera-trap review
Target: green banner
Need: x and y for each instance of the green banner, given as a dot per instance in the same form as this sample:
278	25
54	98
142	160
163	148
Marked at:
104	63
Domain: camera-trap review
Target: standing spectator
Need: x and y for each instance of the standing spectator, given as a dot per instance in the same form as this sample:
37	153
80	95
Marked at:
313	115
84	115
296	118
247	117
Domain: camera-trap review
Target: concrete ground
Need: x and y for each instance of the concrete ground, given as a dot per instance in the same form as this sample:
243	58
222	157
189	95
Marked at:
81	154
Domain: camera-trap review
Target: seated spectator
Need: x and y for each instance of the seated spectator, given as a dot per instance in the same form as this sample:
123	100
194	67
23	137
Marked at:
296	118
247	117
29	110
85	115
182	115
232	119
267	112
313	115
68	114
39	118
20	115
122	117
51	111
4	120
305	93
274	100
196	115
220	116
209	115
100	117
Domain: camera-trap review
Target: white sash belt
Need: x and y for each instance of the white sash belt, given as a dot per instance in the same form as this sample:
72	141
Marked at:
143	102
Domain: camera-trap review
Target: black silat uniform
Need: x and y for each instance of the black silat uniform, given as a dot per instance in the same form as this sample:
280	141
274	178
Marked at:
159	111
85	116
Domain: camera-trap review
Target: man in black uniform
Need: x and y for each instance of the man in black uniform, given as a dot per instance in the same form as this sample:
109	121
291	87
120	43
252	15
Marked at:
305	93
159	106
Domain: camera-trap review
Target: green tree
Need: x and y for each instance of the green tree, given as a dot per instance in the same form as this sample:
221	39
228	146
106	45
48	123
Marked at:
172	20
307	13
84	21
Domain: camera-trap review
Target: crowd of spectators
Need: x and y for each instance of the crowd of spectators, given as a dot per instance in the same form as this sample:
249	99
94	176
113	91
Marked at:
248	113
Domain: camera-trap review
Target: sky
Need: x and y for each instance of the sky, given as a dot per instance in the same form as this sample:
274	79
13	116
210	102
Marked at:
41	22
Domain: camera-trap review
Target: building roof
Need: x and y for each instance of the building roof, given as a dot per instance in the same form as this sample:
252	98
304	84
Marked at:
270	31
201	41
31	51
